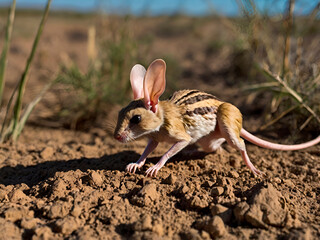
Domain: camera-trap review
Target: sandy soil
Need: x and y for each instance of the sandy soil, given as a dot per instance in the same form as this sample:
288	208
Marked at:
57	183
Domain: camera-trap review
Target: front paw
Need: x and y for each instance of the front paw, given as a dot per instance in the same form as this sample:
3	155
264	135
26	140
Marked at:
132	167
152	171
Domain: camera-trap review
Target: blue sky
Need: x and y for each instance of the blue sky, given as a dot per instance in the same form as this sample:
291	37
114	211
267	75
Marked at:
160	7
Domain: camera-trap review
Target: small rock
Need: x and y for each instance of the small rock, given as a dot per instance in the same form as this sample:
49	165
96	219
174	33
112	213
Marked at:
288	183
205	235
293	222
268	207
116	198
76	211
10	230
215	227
146	223
149	191
217	191
191	234
233	174
67	225
147	195
17	213
96	178
3	195
277	180
184	189
47	153
217	209
16	195
240	210
59	210
58	189
171	179
30	223
254	217
43	233
197	202
208	184
223	212
157	228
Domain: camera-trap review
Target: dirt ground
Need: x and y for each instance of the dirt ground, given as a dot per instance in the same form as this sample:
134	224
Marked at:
57	183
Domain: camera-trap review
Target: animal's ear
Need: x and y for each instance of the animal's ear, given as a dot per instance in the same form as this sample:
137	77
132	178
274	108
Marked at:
136	79
154	83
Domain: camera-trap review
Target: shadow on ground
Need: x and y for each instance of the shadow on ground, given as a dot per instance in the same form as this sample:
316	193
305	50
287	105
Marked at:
32	175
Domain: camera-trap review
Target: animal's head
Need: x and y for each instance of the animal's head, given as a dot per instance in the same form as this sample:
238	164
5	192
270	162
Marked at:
142	116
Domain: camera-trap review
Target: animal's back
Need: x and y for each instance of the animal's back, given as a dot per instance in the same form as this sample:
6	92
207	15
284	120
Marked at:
198	110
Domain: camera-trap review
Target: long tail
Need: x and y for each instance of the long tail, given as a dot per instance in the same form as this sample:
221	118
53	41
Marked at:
275	146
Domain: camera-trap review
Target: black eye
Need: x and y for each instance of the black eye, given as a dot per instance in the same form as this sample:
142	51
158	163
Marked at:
135	119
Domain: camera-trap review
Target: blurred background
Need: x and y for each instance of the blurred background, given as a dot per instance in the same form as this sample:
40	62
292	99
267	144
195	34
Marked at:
165	7
262	56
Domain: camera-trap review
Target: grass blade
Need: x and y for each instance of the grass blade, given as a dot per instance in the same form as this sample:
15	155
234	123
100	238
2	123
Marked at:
28	111
273	121
22	83
292	92
6	46
4	122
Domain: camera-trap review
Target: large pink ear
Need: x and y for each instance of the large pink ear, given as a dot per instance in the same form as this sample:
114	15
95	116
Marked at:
154	83
136	79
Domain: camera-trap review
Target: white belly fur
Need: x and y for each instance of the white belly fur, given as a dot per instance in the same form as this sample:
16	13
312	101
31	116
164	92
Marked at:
204	124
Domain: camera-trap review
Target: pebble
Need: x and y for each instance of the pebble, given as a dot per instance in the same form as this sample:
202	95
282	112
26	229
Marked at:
76	211
43	232
240	210
10	230
59	210
191	234
197	202
149	191
208	184
18	195
217	191
17	213
217	209
158	228
171	179
233	174
30	223
47	153
67	225
96	178
146	223
215	227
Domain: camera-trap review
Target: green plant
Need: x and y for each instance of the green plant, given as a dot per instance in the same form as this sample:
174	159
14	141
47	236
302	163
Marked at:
283	51
106	80
12	122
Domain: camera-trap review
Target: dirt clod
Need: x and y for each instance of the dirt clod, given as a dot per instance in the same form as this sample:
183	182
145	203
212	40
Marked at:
67	225
215	227
47	153
171	179
217	191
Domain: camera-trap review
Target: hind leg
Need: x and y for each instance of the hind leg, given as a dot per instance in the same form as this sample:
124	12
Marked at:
230	123
211	142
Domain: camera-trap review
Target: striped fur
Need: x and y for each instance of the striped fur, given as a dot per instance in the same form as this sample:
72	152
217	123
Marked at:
195	102
198	112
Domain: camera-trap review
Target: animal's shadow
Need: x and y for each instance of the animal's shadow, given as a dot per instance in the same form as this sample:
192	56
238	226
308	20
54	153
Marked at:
32	175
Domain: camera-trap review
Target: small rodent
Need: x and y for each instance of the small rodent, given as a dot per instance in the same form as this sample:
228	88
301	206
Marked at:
189	116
